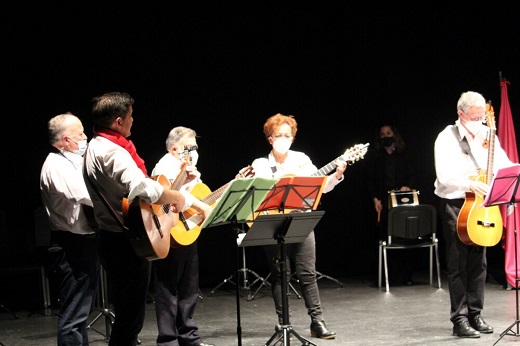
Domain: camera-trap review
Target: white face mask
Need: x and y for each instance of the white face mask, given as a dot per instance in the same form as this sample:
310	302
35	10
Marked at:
282	145
473	126
82	147
194	157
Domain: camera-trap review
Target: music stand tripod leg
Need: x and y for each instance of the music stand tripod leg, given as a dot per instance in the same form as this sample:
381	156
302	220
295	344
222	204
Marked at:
265	282
243	281
247	285
323	276
104	311
2	306
228	279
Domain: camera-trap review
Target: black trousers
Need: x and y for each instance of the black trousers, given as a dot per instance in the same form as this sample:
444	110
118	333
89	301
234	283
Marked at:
176	295
466	265
128	277
76	263
301	257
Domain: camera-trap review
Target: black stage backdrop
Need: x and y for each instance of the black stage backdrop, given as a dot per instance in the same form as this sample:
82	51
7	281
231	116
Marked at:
340	69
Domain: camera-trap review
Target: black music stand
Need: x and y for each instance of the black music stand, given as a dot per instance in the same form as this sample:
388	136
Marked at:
282	229
504	190
235	208
299	194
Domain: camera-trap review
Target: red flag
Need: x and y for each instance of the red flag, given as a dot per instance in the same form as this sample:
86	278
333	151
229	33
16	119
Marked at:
506	127
510	213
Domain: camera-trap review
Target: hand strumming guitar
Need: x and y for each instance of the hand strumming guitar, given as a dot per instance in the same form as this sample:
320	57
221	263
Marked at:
479	188
203	208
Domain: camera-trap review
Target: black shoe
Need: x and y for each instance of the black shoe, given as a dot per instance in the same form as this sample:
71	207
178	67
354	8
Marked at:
464	330
319	330
480	325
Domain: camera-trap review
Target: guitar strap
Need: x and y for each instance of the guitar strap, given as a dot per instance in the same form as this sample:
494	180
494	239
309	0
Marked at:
464	145
105	202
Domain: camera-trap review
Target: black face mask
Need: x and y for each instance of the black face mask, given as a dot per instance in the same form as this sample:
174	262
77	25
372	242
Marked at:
387	141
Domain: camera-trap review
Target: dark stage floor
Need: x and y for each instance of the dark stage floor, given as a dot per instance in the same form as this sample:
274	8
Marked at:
360	315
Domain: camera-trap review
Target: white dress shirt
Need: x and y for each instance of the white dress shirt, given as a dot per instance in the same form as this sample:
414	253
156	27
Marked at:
63	192
296	163
116	176
455	170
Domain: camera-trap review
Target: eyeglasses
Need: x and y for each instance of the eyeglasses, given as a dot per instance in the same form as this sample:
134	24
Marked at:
286	136
477	117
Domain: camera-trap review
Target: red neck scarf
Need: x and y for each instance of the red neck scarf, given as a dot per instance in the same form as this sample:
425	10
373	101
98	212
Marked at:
123	142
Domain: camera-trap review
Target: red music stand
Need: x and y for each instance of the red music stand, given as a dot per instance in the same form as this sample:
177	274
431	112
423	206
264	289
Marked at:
504	190
294	193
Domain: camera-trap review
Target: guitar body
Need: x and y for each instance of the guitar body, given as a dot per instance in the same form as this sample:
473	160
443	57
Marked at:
148	226
462	219
483	225
187	229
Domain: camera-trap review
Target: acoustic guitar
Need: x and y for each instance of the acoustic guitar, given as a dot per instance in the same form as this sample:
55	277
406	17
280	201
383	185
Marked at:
187	231
350	156
478	225
147	224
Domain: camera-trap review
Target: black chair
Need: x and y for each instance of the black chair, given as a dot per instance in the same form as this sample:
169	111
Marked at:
410	227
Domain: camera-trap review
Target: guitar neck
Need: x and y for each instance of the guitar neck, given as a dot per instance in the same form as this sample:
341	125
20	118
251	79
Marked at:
351	155
491	156
329	167
180	179
212	197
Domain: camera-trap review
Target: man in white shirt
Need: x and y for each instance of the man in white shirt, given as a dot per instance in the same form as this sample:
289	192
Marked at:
73	245
456	167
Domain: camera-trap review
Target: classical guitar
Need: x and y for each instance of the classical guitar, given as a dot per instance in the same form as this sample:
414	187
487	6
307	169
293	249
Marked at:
148	225
351	155
187	231
476	224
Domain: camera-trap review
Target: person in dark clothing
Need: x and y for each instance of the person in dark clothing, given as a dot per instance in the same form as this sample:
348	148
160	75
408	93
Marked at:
390	170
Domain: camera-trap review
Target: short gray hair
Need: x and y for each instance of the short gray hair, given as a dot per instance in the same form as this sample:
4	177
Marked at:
176	134
469	99
57	125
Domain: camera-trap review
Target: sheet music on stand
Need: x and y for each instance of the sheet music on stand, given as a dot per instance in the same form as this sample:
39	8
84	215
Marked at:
294	192
504	187
239	201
